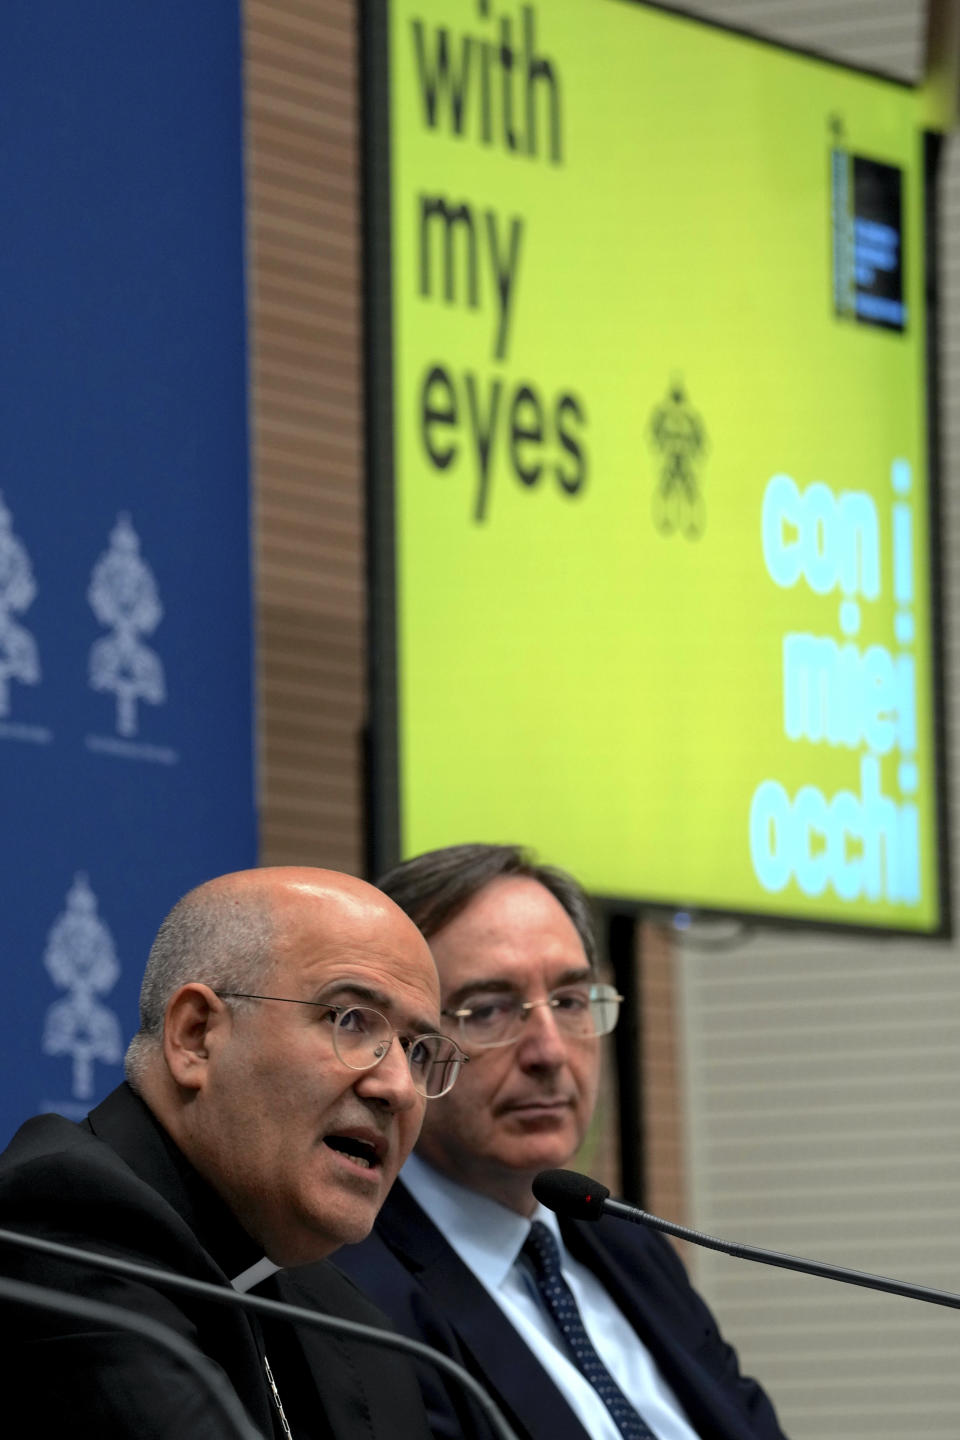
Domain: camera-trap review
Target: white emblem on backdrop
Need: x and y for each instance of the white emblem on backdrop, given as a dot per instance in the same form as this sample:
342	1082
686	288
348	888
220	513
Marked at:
81	958
123	595
19	659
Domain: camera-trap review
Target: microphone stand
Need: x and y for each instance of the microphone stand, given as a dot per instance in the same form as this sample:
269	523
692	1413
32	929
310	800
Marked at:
115	1317
297	1314
784	1262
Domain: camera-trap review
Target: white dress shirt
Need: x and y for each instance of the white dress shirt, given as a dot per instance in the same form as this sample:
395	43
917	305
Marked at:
488	1239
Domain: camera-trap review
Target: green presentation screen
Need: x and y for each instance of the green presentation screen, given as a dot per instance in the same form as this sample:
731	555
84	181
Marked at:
651	460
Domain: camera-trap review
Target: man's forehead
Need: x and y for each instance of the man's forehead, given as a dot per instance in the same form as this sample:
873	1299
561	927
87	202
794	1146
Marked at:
408	1009
510	904
358	922
400	979
510	966
515	917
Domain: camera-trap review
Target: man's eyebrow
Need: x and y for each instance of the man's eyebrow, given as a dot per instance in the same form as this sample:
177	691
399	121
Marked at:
379	999
575	976
500	986
473	987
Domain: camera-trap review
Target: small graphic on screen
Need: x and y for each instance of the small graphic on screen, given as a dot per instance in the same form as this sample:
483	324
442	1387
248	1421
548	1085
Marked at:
867	241
677	433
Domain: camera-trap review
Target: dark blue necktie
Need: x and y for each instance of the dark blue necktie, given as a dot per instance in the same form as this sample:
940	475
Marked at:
542	1250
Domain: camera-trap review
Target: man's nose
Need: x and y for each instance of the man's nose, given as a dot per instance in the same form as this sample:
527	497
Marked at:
390	1081
542	1042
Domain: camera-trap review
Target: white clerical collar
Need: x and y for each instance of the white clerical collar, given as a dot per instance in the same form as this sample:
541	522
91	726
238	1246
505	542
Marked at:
485	1234
253	1274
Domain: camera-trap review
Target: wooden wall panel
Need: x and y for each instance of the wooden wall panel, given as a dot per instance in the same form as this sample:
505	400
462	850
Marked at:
304	226
663	1117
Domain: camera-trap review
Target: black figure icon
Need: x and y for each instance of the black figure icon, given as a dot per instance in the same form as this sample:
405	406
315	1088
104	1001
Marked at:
677	432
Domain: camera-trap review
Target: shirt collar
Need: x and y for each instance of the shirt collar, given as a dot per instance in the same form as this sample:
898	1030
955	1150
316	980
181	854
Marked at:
486	1235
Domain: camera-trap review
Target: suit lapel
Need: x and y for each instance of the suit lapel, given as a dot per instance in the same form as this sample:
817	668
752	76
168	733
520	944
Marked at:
664	1333
489	1342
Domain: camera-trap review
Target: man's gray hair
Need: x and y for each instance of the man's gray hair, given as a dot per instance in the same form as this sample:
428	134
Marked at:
212	935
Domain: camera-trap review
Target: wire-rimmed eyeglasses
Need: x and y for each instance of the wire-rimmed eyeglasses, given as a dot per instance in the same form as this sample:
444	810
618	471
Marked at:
362	1037
583	1011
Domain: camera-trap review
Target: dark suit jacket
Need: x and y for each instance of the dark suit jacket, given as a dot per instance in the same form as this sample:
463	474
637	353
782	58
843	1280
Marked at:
411	1272
117	1184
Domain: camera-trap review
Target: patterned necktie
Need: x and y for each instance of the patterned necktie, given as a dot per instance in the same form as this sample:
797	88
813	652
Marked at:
542	1250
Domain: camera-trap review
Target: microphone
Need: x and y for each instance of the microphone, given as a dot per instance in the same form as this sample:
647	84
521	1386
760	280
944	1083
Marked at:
115	1317
295	1314
580	1198
576	1196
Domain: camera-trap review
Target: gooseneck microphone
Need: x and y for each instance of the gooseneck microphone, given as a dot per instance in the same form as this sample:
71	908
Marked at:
580	1198
295	1314
575	1196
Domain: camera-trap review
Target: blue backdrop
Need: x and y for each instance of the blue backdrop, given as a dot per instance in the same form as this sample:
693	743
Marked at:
126	748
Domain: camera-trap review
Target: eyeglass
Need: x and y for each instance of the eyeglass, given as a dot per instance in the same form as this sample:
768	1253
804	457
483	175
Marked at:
579	1010
362	1037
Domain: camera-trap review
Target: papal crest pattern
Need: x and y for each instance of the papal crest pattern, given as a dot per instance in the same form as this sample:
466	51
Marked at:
19	659
123	595
81	958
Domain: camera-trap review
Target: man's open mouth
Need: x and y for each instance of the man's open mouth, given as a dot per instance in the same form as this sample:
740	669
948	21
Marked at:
360	1151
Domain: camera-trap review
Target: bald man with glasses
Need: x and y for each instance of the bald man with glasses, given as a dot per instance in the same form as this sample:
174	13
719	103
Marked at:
290	1043
577	1330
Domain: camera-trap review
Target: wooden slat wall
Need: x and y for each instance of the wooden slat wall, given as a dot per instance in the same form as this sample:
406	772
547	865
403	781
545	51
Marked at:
663	1110
303	203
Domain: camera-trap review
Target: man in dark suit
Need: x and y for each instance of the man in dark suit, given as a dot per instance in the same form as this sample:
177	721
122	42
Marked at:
267	1113
576	1329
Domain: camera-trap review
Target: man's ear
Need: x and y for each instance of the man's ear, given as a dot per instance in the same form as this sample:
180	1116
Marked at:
194	1014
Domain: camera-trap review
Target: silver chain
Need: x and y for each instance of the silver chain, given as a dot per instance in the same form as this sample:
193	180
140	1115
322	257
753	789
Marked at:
284	1422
